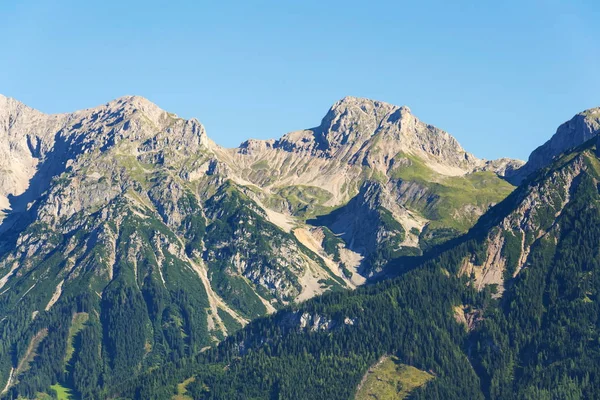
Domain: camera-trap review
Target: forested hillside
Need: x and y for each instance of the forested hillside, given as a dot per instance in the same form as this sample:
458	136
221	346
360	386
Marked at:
539	340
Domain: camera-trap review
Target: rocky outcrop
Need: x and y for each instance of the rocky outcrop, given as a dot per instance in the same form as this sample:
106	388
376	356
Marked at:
359	131
569	135
305	321
527	216
370	132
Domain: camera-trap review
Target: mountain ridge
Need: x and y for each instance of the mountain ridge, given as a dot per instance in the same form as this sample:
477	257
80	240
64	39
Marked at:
335	137
136	218
579	129
533	334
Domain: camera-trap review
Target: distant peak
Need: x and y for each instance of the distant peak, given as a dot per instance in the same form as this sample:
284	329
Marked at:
349	101
574	132
361	109
7	99
132	99
591	113
135	102
10	104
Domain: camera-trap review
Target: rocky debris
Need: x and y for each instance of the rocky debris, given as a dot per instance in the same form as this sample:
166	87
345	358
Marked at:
502	166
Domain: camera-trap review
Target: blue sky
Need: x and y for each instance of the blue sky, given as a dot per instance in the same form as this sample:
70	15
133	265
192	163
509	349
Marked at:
498	75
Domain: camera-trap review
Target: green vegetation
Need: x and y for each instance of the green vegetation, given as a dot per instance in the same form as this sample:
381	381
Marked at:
230	323
383	239
182	390
511	251
391	380
99	332
411	168
262	164
389	246
241	241
43	396
453	202
62	392
77	324
409	317
303	201
140	172
139	319
331	243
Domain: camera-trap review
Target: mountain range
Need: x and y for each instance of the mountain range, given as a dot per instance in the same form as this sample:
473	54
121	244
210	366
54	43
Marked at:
130	241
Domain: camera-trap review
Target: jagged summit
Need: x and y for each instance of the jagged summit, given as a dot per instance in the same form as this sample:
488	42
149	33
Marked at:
132	101
129	113
570	134
34	144
122	107
9	103
366	104
347	112
370	132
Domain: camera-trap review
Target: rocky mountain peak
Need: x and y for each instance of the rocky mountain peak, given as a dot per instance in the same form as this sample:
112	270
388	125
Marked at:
353	120
130	105
578	130
8	105
39	146
372	132
356	134
356	127
367	106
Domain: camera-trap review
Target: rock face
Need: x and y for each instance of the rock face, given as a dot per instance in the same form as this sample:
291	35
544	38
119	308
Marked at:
569	135
348	130
419	167
363	132
529	218
26	135
125	213
168	242
369	225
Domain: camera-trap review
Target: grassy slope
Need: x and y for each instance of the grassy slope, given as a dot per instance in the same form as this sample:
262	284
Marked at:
479	189
303	201
79	319
182	390
62	392
389	379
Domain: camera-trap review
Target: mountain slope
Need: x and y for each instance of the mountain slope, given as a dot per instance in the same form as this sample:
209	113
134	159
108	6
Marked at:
538	338
118	223
132	220
439	189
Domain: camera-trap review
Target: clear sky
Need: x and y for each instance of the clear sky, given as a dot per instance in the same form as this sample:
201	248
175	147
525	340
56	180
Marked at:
498	75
